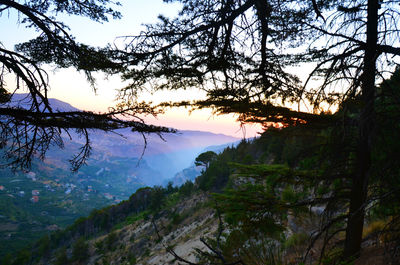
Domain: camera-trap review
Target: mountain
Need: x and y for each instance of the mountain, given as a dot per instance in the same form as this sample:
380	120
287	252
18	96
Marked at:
166	156
162	157
236	212
49	196
23	101
192	172
187	174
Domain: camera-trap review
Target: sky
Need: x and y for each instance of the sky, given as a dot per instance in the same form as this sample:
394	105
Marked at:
71	86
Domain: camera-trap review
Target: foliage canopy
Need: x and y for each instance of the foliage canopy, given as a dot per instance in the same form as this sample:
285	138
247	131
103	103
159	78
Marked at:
30	125
242	53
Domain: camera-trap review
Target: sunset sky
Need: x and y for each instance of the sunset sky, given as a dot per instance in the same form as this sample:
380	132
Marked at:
72	87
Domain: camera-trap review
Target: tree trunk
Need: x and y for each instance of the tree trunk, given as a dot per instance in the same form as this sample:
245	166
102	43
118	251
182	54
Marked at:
359	189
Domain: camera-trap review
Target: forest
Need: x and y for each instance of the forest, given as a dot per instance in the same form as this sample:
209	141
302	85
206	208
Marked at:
324	171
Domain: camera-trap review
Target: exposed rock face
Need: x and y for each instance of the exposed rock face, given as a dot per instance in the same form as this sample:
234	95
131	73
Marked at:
185	239
146	241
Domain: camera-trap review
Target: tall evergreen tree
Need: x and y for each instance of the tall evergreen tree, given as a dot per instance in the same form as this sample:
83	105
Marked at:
30	126
204	159
240	52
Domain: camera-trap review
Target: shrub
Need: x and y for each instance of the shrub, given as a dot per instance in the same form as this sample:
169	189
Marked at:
132	259
110	240
61	258
80	251
99	246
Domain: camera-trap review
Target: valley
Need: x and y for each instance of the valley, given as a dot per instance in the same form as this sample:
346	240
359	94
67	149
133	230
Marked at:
48	196
109	181
226	215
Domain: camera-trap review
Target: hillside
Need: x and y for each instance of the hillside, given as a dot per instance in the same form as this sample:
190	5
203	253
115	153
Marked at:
49	196
264	219
321	185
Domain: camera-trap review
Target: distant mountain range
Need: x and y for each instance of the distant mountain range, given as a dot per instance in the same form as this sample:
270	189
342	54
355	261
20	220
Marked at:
165	156
192	172
49	195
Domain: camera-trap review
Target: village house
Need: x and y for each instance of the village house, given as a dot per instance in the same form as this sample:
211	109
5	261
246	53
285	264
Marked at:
31	175
109	196
35	199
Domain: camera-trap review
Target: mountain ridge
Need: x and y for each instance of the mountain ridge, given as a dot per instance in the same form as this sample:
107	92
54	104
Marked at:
115	170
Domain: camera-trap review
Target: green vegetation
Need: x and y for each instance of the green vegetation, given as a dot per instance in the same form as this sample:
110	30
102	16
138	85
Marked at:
243	54
61	257
62	196
143	203
205	159
301	175
326	173
110	241
132	219
23	221
80	250
29	125
132	260
271	192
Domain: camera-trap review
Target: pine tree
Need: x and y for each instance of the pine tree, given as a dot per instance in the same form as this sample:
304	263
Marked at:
240	52
30	126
